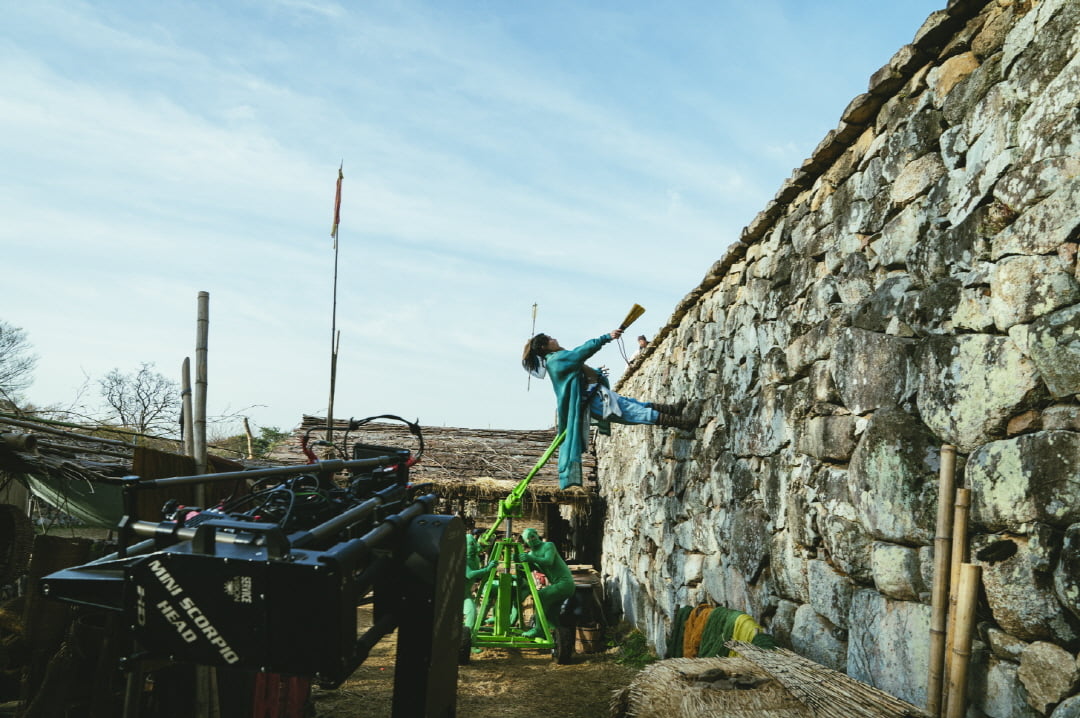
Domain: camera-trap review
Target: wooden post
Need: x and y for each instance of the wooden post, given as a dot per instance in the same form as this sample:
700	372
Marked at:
206	703
250	439
185	396
961	510
967	598
940	594
202	334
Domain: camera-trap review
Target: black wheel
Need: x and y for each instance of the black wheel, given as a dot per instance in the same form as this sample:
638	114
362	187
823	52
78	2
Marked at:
564	645
465	648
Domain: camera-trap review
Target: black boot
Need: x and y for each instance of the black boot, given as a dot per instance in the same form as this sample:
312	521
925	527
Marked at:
675	409
678	422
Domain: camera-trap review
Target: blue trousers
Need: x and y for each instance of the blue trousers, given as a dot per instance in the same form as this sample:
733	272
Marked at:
633	411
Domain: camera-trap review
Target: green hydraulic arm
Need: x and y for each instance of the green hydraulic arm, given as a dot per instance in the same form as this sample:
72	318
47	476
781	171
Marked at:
499	620
510	507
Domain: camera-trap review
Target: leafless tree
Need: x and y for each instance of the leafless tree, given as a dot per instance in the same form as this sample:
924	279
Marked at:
16	363
145	401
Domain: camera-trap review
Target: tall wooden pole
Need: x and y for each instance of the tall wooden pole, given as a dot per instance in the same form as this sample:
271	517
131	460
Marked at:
202	335
940	595
206	699
250	439
335	337
961	510
528	382
186	416
960	658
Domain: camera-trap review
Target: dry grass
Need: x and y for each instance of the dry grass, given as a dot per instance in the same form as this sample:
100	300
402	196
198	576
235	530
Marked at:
496	683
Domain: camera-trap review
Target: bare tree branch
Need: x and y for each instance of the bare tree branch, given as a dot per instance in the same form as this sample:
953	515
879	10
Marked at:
144	401
16	362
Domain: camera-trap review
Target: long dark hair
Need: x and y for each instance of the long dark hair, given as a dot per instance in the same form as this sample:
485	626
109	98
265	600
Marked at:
535	351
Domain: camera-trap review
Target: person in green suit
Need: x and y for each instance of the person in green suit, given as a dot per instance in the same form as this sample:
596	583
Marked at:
543	556
473	572
583	394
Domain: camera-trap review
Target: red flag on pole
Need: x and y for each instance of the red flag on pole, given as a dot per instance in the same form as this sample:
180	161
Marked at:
337	204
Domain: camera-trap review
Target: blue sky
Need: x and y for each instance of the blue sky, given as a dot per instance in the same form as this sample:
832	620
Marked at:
582	156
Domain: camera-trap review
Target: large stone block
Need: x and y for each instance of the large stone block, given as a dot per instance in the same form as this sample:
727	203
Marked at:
1027	479
884	648
932	309
872	370
945	77
746	540
783	621
999	694
1044	227
884	303
813	345
897	571
1025	287
973	310
1054	345
759	426
1020	596
967	93
970	386
849	546
788	568
914	138
830	592
1068	708
1049	673
892	478
814	637
900	235
1038	47
1067	572
828	437
1001	644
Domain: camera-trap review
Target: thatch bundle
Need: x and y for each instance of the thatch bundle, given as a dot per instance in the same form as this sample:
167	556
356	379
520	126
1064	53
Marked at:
829	693
693	687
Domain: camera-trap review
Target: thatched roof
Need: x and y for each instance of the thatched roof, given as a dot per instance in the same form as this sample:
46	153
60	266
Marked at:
77	470
461	463
691	687
829	693
40	447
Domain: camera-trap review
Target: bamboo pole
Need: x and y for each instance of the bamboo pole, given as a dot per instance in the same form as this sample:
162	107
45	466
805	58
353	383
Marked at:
967	598
961	510
250	439
205	695
940	594
335	335
186	418
202	334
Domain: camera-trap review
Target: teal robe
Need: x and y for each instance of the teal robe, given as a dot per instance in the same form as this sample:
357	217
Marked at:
566	370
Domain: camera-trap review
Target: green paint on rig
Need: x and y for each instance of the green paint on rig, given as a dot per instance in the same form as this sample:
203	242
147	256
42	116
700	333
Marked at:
500	621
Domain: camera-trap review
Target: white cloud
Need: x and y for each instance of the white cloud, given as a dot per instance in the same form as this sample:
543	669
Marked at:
579	157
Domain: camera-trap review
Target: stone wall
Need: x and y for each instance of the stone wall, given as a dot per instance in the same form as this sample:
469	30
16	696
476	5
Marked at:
913	284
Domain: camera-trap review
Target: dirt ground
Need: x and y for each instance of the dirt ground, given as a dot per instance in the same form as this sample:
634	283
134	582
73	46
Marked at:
494	684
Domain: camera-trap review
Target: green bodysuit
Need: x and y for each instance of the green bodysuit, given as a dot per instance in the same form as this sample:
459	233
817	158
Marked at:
545	557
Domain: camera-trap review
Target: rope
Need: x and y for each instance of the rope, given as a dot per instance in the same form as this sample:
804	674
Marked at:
720	627
675	642
700	632
695	626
